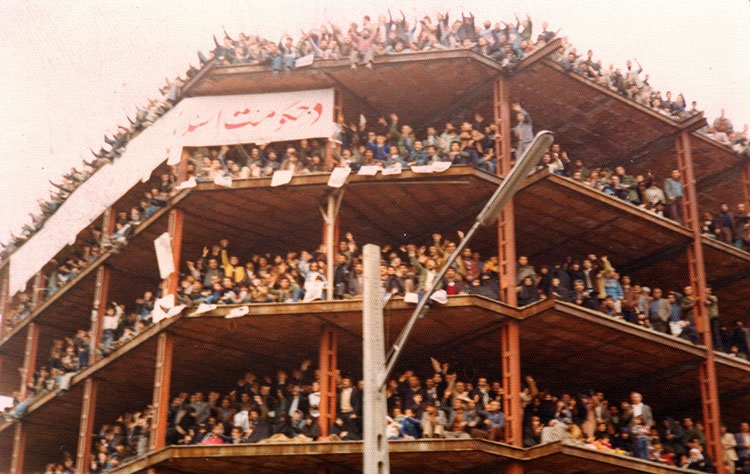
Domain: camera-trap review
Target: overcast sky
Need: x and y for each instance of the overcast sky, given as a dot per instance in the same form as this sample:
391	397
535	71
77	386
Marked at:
72	70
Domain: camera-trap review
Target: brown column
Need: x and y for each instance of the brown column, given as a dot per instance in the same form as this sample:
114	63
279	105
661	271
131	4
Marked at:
86	429
108	223
514	467
29	357
4	298
327	365
697	275
19	447
37	295
98	310
4	307
182	167
162	386
506	234
176	222
337	110
746	186
101	292
510	348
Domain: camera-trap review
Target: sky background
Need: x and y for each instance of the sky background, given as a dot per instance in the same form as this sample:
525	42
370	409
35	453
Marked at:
72	70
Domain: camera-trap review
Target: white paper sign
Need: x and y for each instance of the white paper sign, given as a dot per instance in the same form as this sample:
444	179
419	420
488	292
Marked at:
395	169
157	314
411	298
369	170
250	118
238	312
189	183
440	166
338	177
223	181
304	61
281	178
176	310
203	308
313	290
164	257
166	302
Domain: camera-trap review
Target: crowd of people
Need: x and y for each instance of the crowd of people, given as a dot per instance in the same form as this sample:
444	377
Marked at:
113	148
70	355
628	82
386	144
90	247
723	132
662	197
450	401
594	283
62	271
504	42
221	275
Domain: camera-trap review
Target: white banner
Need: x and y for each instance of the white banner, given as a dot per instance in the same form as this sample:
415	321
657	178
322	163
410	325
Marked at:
250	118
196	121
164	257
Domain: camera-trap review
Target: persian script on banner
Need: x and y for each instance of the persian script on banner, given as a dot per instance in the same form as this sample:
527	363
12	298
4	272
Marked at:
251	118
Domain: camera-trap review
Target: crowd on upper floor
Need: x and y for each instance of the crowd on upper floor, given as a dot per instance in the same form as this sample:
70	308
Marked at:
386	144
628	82
504	42
222	275
112	149
594	283
90	247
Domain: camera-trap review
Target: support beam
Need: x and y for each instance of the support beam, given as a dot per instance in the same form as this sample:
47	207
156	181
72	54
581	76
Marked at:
510	347
101	292
4	313
514	467
98	310
330	226
86	429
338	117
29	357
175	226
182	174
4	298
37	295
697	274
375	409
745	176
327	366
162	386
19	447
506	234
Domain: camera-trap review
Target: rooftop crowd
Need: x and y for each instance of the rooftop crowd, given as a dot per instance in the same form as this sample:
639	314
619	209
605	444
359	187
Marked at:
628	82
445	401
506	42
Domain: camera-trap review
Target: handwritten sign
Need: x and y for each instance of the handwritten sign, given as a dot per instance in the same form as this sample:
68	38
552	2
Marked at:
250	118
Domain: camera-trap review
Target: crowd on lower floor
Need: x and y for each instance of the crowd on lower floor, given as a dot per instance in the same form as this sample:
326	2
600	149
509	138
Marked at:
449	401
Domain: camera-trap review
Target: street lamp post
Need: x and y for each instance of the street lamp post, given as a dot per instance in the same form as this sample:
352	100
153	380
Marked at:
376	368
